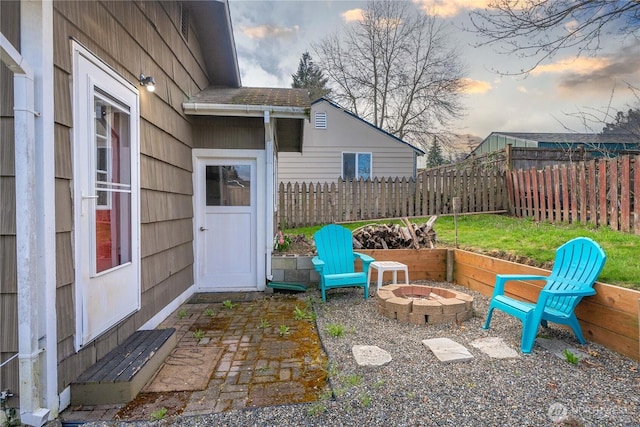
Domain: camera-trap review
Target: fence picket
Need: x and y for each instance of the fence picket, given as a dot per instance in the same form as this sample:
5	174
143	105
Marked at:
636	194
564	183
602	188
582	194
534	194
573	190
613	194
625	190
593	206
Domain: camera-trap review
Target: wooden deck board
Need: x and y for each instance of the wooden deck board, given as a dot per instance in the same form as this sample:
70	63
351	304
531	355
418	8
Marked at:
121	374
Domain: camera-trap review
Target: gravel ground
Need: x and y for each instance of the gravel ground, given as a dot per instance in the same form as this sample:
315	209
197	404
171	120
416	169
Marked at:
415	389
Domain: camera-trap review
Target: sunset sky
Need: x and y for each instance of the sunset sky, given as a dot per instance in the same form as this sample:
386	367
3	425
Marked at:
272	35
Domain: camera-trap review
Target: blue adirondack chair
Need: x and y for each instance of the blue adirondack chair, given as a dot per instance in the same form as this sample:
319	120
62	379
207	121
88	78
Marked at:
335	260
575	269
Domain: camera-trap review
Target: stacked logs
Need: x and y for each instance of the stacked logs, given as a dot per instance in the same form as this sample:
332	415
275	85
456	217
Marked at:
395	236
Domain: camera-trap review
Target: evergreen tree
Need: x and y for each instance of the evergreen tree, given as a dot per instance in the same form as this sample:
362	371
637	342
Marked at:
434	154
310	77
628	123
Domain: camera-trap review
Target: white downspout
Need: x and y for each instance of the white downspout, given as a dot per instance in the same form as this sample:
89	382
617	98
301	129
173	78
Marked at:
270	182
36	40
26	236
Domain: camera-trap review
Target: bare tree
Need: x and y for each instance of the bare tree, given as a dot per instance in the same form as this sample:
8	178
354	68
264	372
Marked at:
395	69
540	28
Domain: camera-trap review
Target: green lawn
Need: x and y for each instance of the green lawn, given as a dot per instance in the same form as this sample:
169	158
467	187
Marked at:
493	234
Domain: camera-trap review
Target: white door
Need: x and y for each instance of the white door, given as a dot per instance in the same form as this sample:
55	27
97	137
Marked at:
226	224
106	213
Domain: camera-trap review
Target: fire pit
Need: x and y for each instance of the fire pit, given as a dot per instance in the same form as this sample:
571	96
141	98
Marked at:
421	305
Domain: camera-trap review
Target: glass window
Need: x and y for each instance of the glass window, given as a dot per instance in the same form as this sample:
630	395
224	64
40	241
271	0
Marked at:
228	185
356	165
112	183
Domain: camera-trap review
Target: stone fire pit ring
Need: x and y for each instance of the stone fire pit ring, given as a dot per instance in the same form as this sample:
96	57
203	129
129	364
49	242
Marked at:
421	305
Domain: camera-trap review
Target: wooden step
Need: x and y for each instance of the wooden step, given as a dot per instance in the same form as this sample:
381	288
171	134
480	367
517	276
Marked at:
121	374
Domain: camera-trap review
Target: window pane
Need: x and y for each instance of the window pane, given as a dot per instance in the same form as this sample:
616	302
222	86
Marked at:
364	165
228	185
348	165
112	184
113	232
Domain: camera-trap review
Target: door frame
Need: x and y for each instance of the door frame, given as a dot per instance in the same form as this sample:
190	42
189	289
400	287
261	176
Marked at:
200	157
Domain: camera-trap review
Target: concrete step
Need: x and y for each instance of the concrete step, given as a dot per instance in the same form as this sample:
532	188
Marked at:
121	374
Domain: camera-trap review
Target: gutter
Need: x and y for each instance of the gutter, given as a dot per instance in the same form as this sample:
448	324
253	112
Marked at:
29	351
246	110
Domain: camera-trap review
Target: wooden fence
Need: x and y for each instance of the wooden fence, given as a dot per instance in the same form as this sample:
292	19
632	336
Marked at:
599	192
304	204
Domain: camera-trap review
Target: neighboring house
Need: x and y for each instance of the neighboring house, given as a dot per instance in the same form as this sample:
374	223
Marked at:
337	143
117	203
610	143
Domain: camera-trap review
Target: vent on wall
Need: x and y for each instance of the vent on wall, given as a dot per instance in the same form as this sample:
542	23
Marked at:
184	22
320	120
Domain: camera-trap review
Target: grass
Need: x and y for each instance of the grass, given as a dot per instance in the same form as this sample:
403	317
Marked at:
158	414
336	330
501	234
570	357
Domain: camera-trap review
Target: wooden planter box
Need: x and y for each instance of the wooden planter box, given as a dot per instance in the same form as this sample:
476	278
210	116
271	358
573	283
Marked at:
609	318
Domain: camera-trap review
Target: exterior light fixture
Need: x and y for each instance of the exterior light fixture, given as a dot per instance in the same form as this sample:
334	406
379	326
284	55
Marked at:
148	82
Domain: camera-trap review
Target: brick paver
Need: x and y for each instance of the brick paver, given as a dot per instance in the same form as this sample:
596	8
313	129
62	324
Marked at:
260	365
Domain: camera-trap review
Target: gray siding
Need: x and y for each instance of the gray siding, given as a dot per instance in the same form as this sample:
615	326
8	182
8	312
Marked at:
9	19
132	37
321	157
229	132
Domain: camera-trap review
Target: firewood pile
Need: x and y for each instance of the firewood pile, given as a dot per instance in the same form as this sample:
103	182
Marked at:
396	236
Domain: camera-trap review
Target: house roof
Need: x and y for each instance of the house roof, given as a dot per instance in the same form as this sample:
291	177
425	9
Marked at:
586	138
498	140
212	21
289	106
355	116
294	100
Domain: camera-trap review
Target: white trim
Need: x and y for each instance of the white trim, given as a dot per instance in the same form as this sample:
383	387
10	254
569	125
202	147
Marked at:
200	155
201	108
163	314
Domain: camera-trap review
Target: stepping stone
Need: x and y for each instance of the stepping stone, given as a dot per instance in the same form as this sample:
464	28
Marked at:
558	347
370	355
495	347
447	350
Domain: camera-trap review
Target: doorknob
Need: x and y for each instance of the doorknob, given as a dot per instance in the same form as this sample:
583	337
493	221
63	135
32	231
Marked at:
203	229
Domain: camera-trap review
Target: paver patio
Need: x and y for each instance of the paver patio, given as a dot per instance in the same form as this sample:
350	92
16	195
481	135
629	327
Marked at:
264	357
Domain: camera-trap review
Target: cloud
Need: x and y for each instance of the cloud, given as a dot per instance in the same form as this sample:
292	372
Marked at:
269	31
449	8
579	65
352	15
471	86
522	89
599	74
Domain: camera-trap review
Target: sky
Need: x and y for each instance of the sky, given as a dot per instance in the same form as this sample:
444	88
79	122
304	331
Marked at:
271	36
